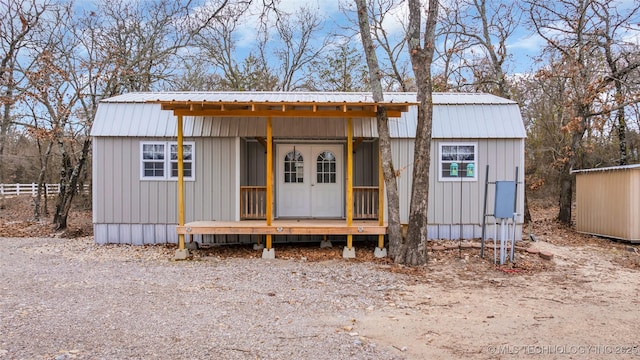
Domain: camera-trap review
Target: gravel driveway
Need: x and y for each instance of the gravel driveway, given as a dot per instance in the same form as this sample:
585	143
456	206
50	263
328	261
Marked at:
64	299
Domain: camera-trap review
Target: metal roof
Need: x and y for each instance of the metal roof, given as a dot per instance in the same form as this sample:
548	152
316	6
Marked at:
610	168
456	115
299	96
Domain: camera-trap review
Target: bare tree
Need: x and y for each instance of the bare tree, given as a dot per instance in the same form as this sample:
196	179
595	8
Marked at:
568	27
421	46
618	55
297	33
384	136
390	43
483	28
119	47
341	69
21	21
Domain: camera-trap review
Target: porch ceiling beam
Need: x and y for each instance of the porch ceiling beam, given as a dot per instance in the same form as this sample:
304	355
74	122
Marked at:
287	113
262	141
282	107
357	142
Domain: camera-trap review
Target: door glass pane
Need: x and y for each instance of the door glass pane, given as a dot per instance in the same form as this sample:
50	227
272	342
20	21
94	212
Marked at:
293	167
326	161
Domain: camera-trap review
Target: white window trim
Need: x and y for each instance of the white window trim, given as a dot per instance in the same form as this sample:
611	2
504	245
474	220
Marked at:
475	162
167	161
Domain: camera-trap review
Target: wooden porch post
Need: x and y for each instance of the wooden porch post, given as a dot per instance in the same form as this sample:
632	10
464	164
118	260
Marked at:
380	197
348	252
269	178
181	253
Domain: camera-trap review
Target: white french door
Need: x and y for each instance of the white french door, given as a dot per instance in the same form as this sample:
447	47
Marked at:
310	180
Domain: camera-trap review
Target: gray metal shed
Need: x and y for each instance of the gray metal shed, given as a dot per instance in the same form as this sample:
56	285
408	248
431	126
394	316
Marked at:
135	196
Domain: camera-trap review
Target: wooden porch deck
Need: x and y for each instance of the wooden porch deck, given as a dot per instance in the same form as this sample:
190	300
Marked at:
284	227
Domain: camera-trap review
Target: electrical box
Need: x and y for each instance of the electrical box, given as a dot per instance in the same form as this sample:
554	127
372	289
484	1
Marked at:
505	199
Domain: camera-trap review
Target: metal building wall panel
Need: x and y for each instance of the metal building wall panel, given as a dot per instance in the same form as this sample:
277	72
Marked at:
100	234
607	202
452	203
124	234
137	233
123	198
365	164
402	151
634	205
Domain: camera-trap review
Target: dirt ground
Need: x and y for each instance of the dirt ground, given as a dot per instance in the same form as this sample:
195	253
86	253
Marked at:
581	304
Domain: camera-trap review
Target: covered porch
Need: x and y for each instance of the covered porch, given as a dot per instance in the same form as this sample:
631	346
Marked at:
363	206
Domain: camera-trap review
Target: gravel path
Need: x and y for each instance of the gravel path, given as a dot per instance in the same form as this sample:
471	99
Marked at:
64	299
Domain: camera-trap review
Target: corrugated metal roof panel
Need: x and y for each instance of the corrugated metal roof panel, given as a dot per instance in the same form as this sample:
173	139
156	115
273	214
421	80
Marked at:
337	97
464	115
611	168
467	120
260	96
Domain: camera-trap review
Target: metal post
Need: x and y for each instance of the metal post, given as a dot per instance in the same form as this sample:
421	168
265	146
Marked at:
484	212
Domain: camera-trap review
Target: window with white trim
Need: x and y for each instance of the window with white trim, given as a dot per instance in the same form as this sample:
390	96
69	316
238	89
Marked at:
159	160
458	162
293	167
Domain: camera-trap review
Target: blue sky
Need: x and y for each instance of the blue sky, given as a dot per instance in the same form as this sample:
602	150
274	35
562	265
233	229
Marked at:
524	45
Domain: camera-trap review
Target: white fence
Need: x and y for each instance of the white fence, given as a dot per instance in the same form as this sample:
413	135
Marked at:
31	189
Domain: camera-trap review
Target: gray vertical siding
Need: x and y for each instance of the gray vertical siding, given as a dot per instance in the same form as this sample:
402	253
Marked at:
454	203
365	164
120	197
254	162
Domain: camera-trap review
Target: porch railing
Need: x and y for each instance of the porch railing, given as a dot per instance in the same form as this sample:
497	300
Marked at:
365	202
253	202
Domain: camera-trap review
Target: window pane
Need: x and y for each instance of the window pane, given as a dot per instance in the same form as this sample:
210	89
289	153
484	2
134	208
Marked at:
293	167
450	170
153	169
186	170
449	153
153	152
458	161
326	167
465	153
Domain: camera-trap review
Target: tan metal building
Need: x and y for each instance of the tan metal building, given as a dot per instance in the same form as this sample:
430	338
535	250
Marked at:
608	202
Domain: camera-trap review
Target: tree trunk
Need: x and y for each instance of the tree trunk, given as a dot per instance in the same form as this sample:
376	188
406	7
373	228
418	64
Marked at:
621	124
384	138
413	251
394	228
527	213
44	165
69	187
566	178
